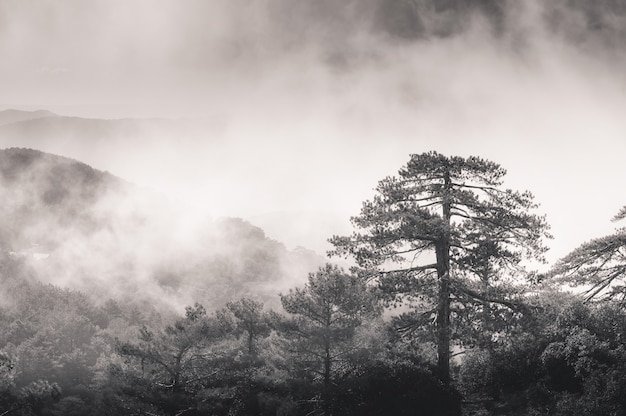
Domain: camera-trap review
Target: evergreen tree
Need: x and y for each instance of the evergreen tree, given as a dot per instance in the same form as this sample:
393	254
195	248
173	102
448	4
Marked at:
169	369
328	311
440	224
250	321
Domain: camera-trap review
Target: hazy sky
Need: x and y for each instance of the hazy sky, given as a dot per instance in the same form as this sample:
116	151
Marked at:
313	103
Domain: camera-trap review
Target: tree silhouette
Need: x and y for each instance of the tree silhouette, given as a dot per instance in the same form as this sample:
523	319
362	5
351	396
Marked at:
425	232
328	311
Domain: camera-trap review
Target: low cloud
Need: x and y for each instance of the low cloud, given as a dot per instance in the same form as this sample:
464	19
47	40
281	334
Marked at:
315	101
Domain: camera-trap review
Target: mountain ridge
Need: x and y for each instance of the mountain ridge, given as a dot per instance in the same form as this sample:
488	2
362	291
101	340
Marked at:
10	116
100	234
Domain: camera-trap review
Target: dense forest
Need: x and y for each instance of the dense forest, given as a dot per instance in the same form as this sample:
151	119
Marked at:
439	310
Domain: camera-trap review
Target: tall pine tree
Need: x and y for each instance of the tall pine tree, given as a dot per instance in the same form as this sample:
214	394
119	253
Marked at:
440	226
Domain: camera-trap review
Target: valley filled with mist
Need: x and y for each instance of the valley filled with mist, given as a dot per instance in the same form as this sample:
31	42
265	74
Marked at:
312	207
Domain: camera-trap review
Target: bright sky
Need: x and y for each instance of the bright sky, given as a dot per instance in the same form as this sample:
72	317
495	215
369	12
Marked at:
309	114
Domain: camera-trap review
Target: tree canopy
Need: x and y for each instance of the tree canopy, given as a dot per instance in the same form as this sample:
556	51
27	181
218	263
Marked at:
328	310
597	266
441	224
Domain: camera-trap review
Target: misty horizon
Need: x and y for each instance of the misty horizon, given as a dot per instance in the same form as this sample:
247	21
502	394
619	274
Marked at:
297	110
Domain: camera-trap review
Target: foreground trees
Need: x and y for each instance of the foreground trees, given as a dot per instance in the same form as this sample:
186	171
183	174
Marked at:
328	312
250	321
442	224
443	241
329	354
569	358
170	368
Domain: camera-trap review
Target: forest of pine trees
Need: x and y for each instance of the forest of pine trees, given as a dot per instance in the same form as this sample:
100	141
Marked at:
442	313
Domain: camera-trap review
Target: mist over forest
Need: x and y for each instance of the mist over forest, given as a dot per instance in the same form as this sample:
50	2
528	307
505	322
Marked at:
89	230
322	92
312	207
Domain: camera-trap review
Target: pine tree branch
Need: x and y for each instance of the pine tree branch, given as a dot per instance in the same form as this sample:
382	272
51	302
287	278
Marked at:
432	266
485	298
479	187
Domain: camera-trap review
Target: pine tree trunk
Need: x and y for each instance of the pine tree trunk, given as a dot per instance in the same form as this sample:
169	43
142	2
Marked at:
443	322
443	273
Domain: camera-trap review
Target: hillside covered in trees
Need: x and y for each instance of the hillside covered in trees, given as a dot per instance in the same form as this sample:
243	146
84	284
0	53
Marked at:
442	312
75	225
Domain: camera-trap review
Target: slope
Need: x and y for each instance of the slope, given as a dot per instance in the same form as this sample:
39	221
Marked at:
89	230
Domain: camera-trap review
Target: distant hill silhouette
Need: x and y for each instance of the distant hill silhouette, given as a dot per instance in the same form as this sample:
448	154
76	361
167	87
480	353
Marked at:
15	116
92	231
42	191
92	134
